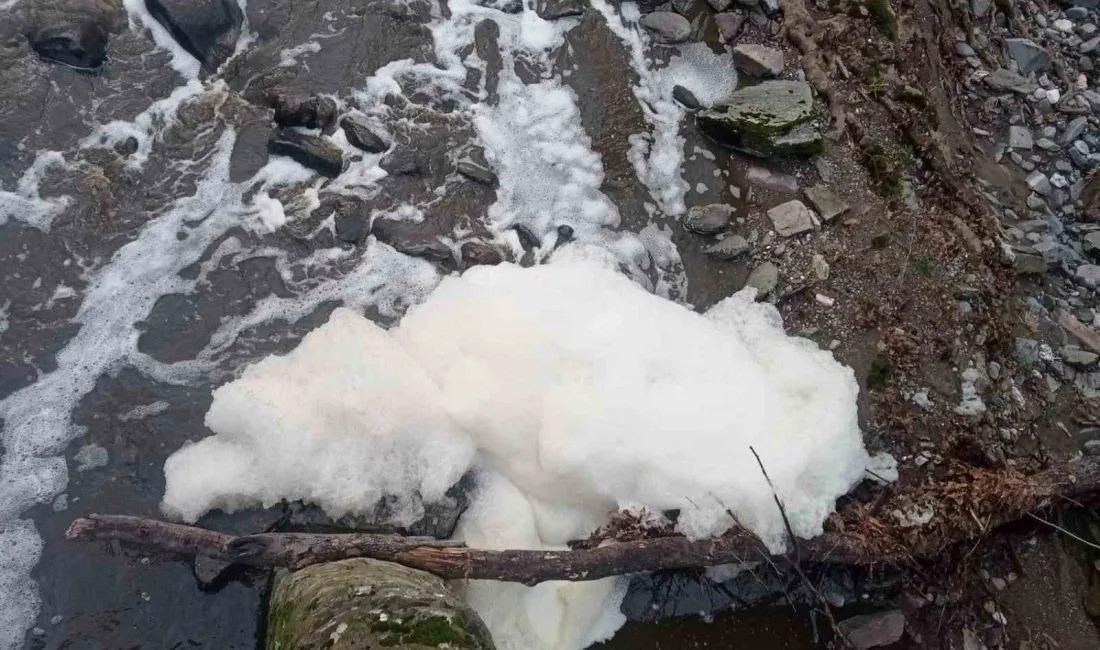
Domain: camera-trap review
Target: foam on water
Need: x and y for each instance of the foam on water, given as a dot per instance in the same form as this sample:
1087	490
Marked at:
554	374
25	204
658	155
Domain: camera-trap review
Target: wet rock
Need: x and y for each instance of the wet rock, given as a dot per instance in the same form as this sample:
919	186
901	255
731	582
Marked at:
312	151
565	233
77	43
208	571
758	60
503	6
359	604
755	119
763	177
719	5
312	112
207	29
1039	183
350	229
827	204
686	97
475	253
401	163
708	219
963	49
1088	275
1027	351
873	630
729	248
764	278
667	27
729	26
361	136
1030	264
1019	137
1077	357
1028	56
1074	129
554	9
980	7
791	218
477	173
1002	80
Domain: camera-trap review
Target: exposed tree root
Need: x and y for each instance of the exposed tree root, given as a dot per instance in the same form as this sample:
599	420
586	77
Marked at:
966	507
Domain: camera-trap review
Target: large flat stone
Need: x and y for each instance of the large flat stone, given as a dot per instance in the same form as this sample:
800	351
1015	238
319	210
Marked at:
756	120
791	218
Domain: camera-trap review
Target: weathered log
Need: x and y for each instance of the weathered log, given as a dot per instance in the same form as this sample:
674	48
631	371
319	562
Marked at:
965	509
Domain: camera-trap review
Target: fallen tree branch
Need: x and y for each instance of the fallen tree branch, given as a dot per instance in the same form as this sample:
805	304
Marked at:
452	560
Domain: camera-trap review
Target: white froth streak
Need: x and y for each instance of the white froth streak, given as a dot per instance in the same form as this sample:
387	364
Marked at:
658	155
25	203
182	61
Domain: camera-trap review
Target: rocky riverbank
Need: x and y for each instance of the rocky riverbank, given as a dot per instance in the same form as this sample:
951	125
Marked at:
188	187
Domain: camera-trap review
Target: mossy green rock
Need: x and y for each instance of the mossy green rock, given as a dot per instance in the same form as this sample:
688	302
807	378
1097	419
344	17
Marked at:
773	118
365	604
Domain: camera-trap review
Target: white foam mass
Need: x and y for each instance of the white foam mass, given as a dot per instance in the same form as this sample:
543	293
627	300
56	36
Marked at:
582	393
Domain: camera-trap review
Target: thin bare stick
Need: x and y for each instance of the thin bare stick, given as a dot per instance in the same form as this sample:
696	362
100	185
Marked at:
1062	530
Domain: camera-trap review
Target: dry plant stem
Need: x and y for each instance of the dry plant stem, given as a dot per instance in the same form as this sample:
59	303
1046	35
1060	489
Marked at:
997	498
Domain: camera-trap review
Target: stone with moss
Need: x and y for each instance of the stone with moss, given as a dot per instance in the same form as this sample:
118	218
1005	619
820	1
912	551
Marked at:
362	604
774	118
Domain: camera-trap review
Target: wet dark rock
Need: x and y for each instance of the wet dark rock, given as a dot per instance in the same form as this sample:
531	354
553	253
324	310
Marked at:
729	248
554	9
873	630
477	173
773	118
758	60
80	43
208	29
1003	80
1028	56
667	27
360	135
350	229
208	571
434	251
504	6
527	239
401	163
126	147
708	219
475	253
312	151
1030	264
686	97
312	112
565	233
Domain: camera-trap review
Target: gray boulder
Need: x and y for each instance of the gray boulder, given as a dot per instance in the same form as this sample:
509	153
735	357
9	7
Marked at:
873	630
667	27
1002	80
361	136
773	118
362	604
764	278
729	248
309	150
1029	56
791	218
828	205
207	29
708	219
80	44
758	60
